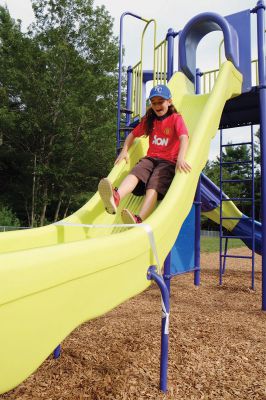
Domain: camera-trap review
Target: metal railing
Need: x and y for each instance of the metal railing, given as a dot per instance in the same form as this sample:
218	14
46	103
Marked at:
137	71
206	233
209	77
160	70
136	99
12	228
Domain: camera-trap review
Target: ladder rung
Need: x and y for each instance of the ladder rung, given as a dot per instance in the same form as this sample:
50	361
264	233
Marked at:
238	199
238	218
235	162
126	128
126	111
235	237
235	144
232	256
236	180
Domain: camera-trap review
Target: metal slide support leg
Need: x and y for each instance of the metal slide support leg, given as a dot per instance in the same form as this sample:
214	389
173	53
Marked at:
197	203
260	9
225	253
152	274
57	351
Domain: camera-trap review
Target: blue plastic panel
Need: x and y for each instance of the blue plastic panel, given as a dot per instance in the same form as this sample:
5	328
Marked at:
242	25
183	252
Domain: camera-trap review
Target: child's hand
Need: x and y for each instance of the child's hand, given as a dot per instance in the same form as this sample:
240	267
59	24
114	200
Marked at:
123	155
182	165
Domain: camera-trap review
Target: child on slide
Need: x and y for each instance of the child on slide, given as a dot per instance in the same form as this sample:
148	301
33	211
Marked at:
168	142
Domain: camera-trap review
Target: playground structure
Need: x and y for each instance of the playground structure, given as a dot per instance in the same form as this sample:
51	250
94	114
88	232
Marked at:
56	277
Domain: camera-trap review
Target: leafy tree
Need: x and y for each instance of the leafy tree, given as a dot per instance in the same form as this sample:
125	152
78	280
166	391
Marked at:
7	217
64	89
237	172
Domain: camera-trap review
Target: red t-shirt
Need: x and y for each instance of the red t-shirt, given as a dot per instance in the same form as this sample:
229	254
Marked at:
164	140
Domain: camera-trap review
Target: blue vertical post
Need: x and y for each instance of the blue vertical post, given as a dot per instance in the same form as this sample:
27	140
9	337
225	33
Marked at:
167	272
167	263
197	203
260	9
225	252
129	93
221	266
170	53
152	274
57	351
253	211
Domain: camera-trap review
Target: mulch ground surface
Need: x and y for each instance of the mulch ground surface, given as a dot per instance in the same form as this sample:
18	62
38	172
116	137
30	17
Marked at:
217	346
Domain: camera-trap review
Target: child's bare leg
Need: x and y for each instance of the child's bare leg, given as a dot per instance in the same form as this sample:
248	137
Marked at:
127	185
148	204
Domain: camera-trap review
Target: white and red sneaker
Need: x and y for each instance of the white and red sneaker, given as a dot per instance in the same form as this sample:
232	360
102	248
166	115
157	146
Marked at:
109	195
129	218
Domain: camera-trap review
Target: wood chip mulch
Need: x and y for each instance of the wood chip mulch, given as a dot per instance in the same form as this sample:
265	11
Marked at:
217	345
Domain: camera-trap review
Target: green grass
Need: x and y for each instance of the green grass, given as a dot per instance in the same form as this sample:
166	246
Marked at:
212	244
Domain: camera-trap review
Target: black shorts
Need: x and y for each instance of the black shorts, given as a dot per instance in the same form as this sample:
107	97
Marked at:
153	173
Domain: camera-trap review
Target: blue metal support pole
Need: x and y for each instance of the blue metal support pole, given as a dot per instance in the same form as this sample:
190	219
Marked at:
129	93
197	202
260	9
225	253
152	274
167	272
57	351
198	81
253	211
221	266
170	53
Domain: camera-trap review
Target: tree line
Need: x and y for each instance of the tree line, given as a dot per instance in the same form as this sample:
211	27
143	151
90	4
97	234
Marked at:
58	94
240	175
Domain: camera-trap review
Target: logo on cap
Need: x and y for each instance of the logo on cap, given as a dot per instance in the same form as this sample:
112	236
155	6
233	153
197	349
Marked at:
158	89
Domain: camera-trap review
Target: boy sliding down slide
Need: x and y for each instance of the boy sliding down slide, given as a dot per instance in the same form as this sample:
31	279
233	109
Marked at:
168	142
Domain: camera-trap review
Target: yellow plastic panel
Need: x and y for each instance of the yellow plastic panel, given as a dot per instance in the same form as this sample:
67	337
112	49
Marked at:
229	210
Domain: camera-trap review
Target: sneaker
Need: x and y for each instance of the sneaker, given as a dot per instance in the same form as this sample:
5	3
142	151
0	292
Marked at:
109	195
129	218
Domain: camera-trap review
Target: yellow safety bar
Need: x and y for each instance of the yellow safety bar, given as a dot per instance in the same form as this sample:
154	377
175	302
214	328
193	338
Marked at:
255	65
209	77
160	68
137	72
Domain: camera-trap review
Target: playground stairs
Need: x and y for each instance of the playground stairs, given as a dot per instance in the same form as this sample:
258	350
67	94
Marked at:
247	180
124	127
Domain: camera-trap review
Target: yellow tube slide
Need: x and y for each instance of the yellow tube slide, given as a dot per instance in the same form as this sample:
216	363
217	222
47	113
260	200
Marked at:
54	278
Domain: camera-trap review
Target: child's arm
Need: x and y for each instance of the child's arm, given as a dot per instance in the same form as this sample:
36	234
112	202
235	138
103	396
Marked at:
181	164
124	152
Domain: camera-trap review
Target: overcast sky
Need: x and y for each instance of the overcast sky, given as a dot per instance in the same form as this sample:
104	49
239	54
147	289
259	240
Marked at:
168	14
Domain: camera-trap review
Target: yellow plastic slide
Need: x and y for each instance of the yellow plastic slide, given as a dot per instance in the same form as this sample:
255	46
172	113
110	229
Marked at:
54	278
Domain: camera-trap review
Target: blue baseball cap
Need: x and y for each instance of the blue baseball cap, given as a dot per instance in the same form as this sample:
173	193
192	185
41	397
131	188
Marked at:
161	91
